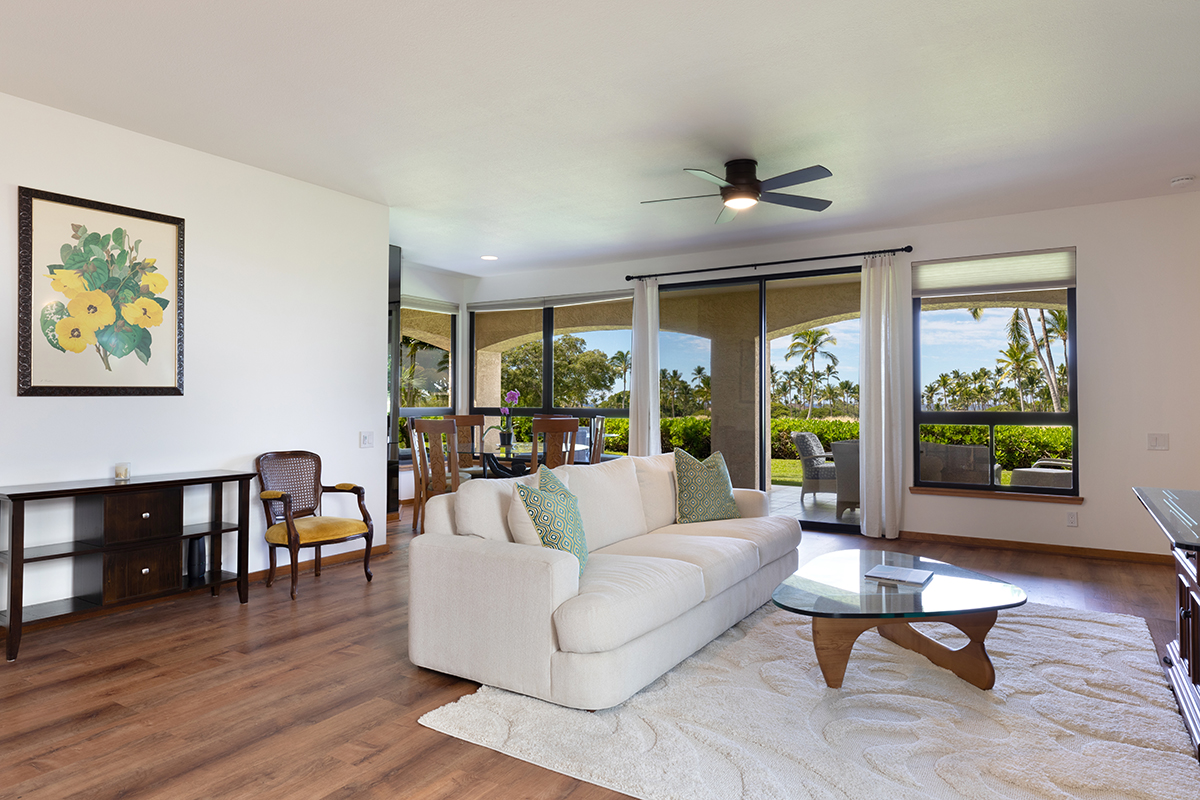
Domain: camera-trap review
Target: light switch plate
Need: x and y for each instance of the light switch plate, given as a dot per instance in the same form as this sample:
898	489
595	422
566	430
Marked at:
366	438
1157	441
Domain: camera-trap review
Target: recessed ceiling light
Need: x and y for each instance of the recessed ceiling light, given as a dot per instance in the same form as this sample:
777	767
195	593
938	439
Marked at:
1182	181
490	258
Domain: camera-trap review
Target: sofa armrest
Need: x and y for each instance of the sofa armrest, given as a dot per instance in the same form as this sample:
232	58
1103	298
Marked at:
752	502
482	609
439	515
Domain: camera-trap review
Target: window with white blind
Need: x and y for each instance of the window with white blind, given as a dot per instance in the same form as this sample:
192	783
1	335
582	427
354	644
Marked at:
995	403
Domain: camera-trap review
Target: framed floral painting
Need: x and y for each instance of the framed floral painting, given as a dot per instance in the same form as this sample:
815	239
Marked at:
100	298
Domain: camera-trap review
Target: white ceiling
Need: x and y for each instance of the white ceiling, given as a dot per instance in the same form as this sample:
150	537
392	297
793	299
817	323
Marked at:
531	130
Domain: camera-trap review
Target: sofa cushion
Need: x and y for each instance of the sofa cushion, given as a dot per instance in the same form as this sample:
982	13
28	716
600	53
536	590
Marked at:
609	500
723	560
481	507
520	524
623	597
703	490
555	515
656	481
773	536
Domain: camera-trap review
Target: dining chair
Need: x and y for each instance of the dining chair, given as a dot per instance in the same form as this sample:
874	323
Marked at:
553	441
435	442
596	450
470	443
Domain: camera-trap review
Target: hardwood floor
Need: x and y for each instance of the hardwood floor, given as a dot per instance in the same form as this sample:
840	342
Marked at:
198	697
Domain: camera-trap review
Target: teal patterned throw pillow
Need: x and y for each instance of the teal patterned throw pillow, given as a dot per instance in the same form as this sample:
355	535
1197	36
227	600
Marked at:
555	515
703	488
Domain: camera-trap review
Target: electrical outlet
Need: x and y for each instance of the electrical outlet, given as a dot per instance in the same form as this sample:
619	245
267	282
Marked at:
1158	441
1072	519
366	438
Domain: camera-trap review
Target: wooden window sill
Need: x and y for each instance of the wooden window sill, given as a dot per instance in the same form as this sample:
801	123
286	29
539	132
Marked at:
1028	497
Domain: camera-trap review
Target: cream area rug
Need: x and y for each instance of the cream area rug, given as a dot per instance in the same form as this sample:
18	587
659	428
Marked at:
1080	709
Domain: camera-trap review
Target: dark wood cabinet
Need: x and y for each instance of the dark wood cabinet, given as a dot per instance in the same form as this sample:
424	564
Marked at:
127	544
1177	513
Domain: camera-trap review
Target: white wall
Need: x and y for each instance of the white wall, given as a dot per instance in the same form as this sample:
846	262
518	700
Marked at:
1138	287
285	328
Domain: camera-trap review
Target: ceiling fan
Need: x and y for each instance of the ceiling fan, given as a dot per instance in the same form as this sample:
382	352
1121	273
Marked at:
740	188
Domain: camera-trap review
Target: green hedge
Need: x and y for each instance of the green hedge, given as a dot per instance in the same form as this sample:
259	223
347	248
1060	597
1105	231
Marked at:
827	430
694	434
1016	446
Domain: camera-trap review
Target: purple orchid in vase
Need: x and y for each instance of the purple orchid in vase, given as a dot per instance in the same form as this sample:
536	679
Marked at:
505	427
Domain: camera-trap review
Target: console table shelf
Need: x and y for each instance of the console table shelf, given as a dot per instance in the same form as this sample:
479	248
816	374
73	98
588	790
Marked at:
127	544
1177	513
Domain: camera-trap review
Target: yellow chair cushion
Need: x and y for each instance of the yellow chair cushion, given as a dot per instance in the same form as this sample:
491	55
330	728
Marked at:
346	487
317	529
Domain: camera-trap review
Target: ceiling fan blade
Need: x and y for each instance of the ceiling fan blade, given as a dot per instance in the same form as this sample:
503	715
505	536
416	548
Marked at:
689	197
795	201
814	173
726	215
708	176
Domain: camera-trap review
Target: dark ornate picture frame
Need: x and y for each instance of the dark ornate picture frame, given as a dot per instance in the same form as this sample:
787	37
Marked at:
36	332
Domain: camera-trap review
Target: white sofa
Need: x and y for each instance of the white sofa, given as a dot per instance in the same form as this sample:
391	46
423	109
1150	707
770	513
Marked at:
653	592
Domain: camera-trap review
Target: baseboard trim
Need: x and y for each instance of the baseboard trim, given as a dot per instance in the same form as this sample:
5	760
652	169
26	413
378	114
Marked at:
1165	559
326	561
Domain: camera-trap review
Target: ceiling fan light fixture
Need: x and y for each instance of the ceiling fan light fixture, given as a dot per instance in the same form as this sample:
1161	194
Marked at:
741	199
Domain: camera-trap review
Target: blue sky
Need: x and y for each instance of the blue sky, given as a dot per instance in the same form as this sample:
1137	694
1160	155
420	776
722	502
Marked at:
950	340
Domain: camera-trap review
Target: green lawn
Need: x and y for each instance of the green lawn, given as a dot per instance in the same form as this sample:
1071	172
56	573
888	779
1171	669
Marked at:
786	472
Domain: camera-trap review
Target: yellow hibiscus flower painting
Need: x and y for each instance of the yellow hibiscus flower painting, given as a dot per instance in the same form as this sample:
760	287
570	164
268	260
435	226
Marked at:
112	297
143	313
75	334
94	309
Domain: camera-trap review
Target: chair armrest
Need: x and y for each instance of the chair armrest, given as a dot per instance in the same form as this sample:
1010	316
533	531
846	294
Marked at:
752	502
815	455
482	609
358	492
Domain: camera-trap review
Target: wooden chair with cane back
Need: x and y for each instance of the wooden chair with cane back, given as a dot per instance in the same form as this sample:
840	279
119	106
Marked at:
435	449
291	497
470	443
553	441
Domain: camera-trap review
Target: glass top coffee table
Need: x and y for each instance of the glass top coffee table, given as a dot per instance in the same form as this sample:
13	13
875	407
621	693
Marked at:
843	603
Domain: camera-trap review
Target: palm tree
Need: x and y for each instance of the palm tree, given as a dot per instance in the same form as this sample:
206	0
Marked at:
846	388
1017	362
945	385
808	345
622	361
1046	363
1058	327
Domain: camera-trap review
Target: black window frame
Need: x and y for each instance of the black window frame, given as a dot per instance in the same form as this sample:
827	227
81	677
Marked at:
547	406
403	412
991	419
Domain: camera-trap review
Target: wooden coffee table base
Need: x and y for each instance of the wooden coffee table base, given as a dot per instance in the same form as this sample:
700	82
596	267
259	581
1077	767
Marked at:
834	638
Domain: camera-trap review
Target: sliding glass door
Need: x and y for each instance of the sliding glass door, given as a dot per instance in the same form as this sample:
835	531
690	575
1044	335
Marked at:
708	354
813	328
798	437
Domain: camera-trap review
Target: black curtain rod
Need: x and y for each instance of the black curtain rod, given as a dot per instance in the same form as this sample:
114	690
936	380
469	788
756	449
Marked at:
906	249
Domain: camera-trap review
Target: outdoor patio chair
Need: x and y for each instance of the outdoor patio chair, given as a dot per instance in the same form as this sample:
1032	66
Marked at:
820	475
845	456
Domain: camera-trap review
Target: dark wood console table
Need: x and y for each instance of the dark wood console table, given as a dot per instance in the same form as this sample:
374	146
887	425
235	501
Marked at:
1177	513
127	544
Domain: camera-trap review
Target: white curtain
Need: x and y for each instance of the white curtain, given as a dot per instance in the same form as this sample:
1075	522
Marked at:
881	423
644	436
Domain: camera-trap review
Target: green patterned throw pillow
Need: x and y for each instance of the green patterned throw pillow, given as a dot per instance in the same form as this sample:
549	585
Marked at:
703	488
555	514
